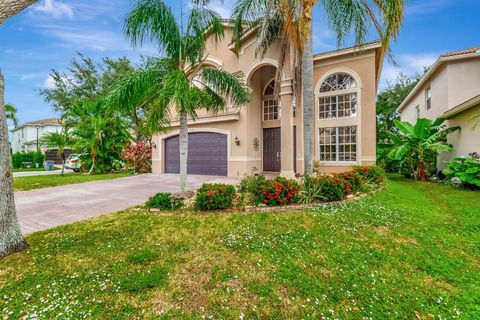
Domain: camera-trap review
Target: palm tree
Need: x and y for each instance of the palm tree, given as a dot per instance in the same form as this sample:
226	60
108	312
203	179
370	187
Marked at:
291	22
179	81
11	112
60	141
414	143
11	239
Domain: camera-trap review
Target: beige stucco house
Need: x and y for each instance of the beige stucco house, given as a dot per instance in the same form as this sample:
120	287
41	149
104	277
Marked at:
450	89
267	134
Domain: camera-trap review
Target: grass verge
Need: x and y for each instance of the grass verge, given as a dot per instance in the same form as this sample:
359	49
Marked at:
38	182
410	251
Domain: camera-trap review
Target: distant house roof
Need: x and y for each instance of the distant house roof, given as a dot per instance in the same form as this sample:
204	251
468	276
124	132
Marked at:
461	52
42	122
443	59
472	102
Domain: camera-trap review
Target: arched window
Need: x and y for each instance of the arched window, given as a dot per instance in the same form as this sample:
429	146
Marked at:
338	97
271	108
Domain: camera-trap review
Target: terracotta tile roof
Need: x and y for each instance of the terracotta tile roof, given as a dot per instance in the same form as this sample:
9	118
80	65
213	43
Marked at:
43	121
461	52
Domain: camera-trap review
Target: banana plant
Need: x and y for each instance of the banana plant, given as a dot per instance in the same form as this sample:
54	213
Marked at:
414	143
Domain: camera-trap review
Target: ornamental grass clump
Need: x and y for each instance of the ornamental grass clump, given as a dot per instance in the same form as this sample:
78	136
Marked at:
277	192
214	196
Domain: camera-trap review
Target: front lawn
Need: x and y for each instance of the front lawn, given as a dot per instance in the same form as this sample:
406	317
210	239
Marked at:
32	169
38	182
411	251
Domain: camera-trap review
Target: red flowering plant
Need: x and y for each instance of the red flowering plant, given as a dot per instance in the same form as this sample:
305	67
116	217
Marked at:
138	157
374	174
215	196
279	191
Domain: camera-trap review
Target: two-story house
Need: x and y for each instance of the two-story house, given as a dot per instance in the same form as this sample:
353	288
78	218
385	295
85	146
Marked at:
267	134
28	136
451	90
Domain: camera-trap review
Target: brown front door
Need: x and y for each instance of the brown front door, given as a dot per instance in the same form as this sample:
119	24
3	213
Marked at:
271	149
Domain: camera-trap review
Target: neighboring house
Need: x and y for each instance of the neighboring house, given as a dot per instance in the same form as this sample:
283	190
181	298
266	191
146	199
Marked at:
451	90
267	134
25	136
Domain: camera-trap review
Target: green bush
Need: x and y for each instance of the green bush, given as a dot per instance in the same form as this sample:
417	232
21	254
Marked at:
467	170
214	196
311	190
279	191
163	201
333	188
33	156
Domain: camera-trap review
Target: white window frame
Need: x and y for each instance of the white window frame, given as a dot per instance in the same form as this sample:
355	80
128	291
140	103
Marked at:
270	97
428	97
338	144
336	93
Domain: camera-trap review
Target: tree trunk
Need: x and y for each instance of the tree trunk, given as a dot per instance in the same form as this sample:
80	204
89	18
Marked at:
63	164
183	150
11	239
93	166
9	8
422	175
307	88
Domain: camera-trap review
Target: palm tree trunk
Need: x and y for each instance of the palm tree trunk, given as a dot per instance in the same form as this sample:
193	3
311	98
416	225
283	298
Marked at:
183	150
9	8
307	88
93	166
422	176
11	239
63	164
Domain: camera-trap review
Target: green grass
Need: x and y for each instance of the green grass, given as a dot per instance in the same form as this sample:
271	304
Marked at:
411	251
31	169
38	182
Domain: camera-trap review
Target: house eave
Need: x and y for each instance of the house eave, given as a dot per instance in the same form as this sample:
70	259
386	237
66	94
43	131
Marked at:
428	75
473	102
210	119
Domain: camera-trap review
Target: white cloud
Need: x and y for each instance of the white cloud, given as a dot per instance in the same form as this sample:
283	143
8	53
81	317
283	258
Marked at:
32	76
49	83
54	8
409	64
223	9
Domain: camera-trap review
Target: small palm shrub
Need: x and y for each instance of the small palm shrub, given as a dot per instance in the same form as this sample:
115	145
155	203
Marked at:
214	196
163	201
467	170
277	192
311	190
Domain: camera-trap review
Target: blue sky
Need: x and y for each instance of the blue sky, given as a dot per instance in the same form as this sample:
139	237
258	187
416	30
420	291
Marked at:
48	35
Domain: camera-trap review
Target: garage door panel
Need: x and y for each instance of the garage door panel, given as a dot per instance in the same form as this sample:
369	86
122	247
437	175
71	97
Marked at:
207	154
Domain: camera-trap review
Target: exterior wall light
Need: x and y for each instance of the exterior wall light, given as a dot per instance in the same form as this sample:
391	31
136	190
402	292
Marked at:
154	145
237	141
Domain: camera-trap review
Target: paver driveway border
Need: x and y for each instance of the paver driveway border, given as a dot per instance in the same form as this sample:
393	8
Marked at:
50	207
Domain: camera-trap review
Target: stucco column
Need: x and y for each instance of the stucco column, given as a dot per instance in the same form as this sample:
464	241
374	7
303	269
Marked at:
287	123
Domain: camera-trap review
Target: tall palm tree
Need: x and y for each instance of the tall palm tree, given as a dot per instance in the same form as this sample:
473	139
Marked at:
60	141
179	81
11	239
290	21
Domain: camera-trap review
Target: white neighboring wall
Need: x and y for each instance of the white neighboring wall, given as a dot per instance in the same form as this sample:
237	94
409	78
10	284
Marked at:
24	137
453	80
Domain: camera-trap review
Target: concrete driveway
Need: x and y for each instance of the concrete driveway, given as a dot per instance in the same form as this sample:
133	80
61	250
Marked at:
46	208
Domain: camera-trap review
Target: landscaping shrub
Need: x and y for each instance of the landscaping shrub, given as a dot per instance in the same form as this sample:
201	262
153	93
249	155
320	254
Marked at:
373	173
163	201
138	157
34	157
214	196
311	190
334	188
465	170
278	191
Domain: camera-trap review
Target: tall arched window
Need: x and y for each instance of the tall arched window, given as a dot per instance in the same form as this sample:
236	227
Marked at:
271	108
338	97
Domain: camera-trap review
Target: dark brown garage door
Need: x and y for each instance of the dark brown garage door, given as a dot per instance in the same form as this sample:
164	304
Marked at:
207	154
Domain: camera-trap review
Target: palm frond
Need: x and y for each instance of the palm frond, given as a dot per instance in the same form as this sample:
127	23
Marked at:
153	20
229	85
